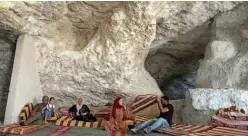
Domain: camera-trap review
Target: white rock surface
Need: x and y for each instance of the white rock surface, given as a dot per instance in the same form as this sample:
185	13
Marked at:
201	103
98	49
226	60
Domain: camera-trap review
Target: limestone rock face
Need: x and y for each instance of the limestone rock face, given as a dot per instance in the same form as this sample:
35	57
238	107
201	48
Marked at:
180	43
225	63
6	63
201	103
98	49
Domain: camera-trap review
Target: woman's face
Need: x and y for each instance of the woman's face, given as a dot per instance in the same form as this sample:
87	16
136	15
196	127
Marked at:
121	102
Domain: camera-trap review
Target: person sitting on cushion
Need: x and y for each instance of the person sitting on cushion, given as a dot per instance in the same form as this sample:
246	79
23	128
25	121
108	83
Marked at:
36	117
81	112
118	116
164	120
49	110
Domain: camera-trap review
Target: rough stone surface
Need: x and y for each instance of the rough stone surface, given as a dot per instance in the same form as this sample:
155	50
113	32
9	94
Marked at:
201	103
226	58
6	63
181	39
98	49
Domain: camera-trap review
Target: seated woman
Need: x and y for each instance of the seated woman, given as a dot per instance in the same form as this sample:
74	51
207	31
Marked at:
118	117
81	112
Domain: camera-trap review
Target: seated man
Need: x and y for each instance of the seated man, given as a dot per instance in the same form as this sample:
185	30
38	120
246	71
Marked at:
165	118
36	117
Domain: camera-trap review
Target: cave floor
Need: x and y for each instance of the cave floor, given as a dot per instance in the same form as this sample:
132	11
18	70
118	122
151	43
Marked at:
78	131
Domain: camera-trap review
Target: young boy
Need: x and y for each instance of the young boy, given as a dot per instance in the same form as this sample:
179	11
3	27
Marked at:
49	109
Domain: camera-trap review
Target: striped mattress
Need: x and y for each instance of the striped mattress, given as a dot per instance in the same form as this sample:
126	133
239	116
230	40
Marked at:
192	130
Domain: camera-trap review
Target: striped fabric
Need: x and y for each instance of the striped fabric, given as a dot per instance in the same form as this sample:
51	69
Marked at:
103	113
142	118
67	121
20	130
232	117
26	111
142	101
222	131
184	129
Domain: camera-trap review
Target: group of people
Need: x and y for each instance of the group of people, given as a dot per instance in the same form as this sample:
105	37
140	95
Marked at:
118	116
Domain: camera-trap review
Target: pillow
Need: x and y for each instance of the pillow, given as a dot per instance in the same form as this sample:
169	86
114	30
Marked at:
103	113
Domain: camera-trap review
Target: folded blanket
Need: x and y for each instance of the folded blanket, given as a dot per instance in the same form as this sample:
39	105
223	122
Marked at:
142	101
232	117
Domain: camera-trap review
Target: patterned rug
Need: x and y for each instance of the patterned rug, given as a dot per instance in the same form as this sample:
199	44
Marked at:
142	101
184	129
17	129
190	130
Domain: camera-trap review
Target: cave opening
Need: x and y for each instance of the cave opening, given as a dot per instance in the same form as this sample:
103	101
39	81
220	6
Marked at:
8	37
173	61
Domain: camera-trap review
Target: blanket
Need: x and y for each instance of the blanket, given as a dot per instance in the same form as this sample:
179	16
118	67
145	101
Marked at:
183	129
232	117
142	101
17	129
222	131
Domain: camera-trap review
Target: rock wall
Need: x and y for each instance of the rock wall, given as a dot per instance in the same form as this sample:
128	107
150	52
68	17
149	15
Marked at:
202	103
225	62
7	50
98	49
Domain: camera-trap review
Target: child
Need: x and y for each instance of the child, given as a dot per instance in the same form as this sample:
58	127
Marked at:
49	109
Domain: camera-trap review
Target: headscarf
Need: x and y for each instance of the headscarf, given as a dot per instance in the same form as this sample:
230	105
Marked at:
116	105
78	106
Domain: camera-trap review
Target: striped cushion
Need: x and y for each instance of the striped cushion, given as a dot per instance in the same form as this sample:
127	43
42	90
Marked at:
184	129
67	121
103	113
142	101
26	111
17	129
222	131
232	117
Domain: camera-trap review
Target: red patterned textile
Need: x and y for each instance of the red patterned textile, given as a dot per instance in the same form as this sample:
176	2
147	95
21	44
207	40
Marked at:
142	101
232	117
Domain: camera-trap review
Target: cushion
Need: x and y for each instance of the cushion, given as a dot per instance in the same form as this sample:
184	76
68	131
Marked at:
142	101
26	111
232	117
67	121
103	113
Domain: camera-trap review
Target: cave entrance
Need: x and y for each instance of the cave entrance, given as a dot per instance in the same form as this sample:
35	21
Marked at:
7	52
173	61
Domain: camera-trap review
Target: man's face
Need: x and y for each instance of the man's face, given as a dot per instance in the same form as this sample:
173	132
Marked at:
45	100
164	101
80	100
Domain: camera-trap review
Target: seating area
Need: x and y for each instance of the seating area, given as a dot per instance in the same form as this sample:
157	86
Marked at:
229	121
